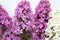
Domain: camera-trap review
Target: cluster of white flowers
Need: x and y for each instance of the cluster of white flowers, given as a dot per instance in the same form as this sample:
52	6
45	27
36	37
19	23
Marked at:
53	29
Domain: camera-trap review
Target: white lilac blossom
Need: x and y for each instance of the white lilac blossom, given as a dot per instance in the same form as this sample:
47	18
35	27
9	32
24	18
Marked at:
53	29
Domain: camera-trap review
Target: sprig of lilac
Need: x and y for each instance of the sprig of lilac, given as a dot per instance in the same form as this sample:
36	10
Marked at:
23	20
41	19
5	24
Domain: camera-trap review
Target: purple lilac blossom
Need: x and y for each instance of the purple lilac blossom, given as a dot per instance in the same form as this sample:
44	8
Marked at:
5	24
23	20
41	19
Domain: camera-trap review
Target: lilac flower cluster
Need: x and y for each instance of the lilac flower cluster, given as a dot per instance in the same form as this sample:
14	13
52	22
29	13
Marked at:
23	20
26	26
5	24
41	19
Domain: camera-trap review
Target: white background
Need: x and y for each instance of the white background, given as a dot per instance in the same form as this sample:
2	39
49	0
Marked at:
10	5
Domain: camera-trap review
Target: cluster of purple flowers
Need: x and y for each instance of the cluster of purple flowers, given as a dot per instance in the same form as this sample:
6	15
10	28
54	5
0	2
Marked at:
41	19
5	24
26	26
